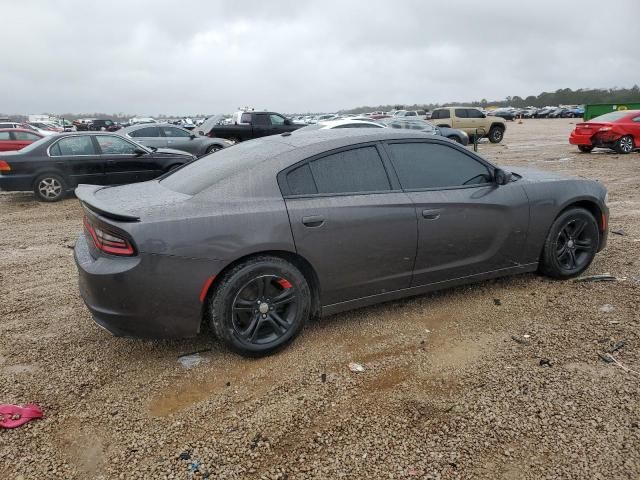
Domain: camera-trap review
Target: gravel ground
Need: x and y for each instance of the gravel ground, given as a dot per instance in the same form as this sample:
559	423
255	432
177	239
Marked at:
497	380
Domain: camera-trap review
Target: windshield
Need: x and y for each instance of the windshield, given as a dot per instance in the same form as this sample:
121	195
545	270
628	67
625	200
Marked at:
206	171
611	116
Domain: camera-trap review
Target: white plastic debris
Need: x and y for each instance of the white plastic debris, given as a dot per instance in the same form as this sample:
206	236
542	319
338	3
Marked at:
190	361
356	367
526	336
606	308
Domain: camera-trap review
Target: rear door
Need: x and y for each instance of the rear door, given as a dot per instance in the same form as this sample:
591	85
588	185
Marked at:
76	156
150	136
122	163
467	224
351	222
179	138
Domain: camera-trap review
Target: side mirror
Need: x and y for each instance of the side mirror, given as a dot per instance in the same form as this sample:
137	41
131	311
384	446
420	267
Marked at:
501	177
139	151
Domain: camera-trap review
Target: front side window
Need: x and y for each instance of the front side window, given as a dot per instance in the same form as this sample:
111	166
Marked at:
174	132
76	145
351	171
245	118
474	113
432	165
112	145
261	119
276	120
461	113
146	132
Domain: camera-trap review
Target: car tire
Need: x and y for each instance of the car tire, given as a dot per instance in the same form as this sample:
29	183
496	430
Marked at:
49	187
625	145
455	139
585	148
571	244
234	139
496	134
260	306
212	149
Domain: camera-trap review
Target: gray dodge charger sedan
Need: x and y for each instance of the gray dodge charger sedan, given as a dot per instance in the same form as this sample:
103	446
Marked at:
258	238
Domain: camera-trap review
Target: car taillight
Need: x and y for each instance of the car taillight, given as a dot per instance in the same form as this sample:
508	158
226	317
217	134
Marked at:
604	129
4	166
108	242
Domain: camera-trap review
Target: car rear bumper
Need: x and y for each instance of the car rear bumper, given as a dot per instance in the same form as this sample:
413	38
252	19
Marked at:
145	296
600	139
16	183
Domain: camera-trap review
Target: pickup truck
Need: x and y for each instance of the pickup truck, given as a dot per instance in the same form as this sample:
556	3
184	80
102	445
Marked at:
470	120
247	125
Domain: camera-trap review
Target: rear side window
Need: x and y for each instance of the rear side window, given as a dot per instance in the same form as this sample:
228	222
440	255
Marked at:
145	132
432	165
26	136
461	113
301	182
76	145
357	170
440	114
4	136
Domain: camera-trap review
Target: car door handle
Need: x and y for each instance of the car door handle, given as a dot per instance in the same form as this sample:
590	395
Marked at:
431	214
313	221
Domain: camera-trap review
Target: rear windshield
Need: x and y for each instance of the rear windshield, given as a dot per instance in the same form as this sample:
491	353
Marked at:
200	174
610	117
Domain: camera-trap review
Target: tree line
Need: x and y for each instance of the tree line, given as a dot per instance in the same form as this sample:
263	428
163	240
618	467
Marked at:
562	96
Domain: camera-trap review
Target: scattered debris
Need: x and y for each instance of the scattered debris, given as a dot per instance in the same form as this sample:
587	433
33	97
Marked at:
545	362
194	466
626	369
356	367
605	277
619	231
607	308
190	361
521	340
13	416
186	455
497	301
228	384
614	347
605	357
323	378
204	350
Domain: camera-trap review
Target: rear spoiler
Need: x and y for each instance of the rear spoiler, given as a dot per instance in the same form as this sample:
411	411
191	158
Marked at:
87	196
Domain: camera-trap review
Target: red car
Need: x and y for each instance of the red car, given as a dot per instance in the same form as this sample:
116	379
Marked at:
16	138
618	130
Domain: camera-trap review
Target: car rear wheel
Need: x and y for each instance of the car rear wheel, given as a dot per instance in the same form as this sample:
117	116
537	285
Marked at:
625	144
260	306
571	244
454	138
585	148
49	187
496	134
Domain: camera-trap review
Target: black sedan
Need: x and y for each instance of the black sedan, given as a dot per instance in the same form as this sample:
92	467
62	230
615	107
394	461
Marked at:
256	239
56	164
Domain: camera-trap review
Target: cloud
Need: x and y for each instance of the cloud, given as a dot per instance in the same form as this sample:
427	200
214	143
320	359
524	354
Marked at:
150	57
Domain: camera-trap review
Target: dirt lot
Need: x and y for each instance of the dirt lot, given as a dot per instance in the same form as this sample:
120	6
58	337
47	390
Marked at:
447	391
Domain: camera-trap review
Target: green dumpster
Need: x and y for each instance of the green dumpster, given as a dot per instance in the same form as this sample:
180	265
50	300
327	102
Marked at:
597	109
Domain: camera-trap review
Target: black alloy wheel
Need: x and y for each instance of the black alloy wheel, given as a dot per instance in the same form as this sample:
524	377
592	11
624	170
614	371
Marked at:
264	309
571	244
260	305
496	134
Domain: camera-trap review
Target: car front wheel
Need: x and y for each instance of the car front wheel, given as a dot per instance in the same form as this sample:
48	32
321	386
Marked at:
49	187
571	244
496	134
260	305
212	149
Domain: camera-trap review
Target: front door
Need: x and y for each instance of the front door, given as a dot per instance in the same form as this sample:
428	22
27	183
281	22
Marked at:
123	162
179	139
467	224
350	222
149	136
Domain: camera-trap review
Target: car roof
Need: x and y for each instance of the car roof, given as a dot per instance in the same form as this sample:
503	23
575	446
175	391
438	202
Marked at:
345	121
19	130
456	106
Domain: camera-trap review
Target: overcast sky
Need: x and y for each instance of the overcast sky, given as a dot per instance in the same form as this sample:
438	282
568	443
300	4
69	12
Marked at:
175	57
